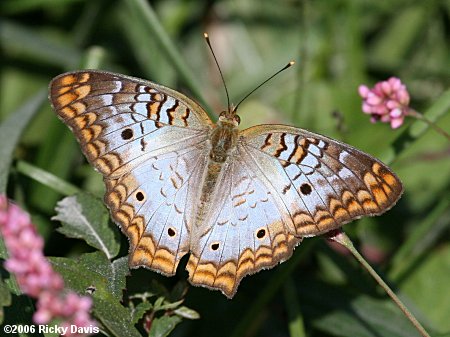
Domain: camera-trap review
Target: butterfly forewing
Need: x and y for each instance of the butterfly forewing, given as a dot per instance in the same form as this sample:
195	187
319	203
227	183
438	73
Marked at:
119	120
323	183
149	143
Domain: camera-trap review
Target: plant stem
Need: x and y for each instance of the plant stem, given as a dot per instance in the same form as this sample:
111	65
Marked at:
418	115
342	238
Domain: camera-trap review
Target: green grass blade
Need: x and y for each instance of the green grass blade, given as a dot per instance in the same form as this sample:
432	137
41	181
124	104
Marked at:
296	326
11	130
16	7
421	240
284	271
440	107
143	11
19	40
46	178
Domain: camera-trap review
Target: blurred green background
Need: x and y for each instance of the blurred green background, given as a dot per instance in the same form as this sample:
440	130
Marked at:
337	45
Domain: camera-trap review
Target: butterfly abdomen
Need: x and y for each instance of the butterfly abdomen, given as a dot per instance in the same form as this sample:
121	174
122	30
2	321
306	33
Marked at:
223	142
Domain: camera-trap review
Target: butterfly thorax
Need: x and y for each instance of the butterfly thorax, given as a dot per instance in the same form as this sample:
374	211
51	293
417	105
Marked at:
223	137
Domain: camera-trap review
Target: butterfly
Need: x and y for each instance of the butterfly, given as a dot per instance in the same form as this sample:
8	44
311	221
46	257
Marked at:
236	201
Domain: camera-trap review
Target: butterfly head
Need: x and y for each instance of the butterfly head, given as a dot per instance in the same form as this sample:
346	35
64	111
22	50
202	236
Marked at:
229	117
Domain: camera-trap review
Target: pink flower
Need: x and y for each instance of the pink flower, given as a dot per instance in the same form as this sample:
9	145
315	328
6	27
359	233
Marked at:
35	275
387	101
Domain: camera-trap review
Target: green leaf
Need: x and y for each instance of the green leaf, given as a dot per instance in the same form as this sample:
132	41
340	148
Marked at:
112	274
168	305
5	295
186	312
85	217
417	286
5	298
119	268
115	318
95	271
179	291
11	130
159	301
163	326
84	272
20	312
139	311
366	317
340	312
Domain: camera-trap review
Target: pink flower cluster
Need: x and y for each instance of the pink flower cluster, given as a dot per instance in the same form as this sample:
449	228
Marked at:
387	101
35	274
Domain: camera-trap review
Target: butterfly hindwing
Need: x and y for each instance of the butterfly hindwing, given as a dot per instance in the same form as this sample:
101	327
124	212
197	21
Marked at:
245	230
153	205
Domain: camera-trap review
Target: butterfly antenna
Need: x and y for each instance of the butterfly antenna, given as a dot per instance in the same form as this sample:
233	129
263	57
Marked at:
218	67
259	86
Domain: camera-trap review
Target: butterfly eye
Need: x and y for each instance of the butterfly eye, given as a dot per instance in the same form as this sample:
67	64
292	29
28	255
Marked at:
140	196
127	134
171	232
306	189
237	119
261	233
215	246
